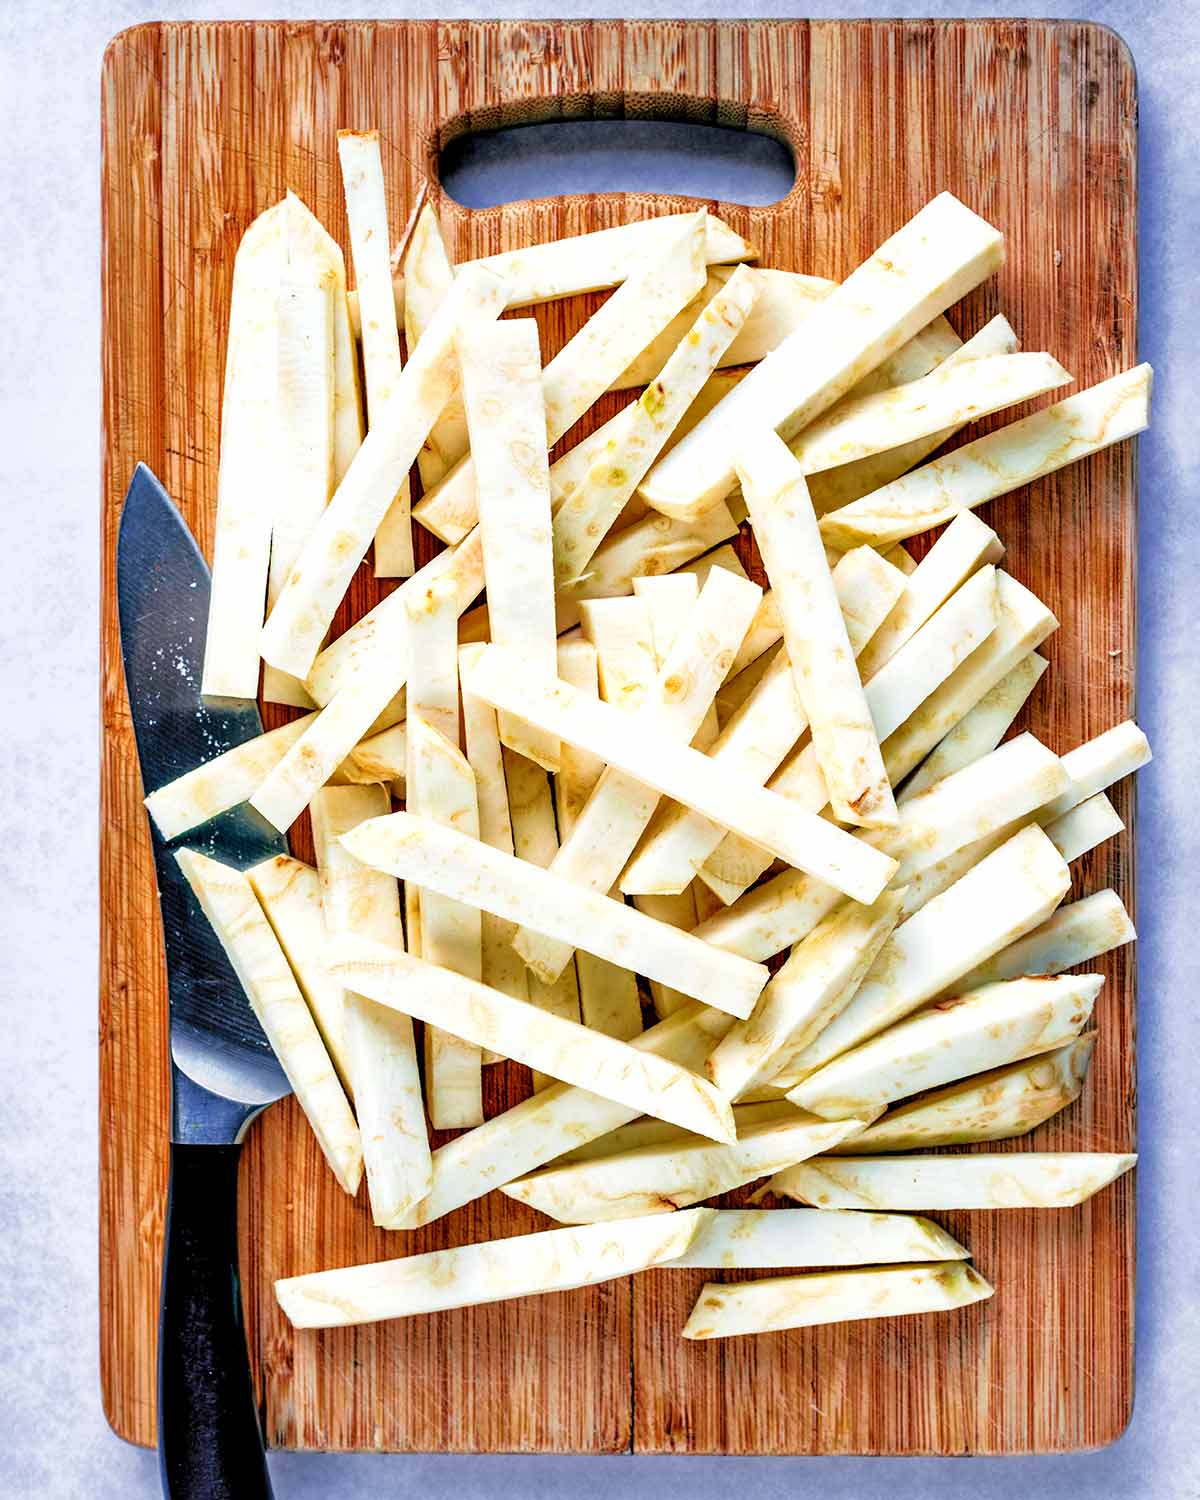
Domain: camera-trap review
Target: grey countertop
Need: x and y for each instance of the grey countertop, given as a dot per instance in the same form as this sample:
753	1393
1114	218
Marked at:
57	1444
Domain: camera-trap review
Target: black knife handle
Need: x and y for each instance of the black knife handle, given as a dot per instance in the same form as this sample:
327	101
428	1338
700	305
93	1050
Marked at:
210	1445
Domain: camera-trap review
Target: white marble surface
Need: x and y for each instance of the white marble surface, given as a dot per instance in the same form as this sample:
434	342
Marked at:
56	1443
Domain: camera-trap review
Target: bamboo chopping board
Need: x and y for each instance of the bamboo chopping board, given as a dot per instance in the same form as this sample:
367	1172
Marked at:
1031	123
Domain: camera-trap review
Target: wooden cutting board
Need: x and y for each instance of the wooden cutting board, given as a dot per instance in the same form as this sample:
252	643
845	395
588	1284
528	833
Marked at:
1031	123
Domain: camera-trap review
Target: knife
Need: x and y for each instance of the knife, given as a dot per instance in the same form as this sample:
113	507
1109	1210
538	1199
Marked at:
223	1072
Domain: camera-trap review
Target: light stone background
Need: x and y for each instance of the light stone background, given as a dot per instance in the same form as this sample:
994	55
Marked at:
55	1442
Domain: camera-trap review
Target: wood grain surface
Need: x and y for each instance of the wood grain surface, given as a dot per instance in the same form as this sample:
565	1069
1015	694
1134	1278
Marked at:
1031	123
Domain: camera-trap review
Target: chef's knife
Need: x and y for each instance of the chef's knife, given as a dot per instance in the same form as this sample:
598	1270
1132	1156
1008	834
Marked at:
223	1072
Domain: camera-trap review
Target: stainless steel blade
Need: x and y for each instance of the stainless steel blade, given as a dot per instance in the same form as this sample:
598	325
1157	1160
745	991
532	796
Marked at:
223	1069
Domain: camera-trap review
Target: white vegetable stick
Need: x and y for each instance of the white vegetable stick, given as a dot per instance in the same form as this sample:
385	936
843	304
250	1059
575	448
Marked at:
1085	827
586	515
737	690
651	1132
951	1039
1075	934
381	757
743	1239
1005	896
580	372
223	782
606	257
933	260
821	975
768	1306
608	997
292	635
432	639
621	632
428	275
231	907
757	737
675	1174
998	462
981	730
562	1048
621	807
677	911
466	870
826	677
556	1260
685	774
670	601
366	211
835	487
578	772
994	1106
1014	1179
289	893
506	418
247	477
1100	762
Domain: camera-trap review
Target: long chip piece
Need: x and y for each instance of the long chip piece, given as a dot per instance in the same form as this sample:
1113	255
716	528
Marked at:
724	1311
931	262
428	276
463	869
743	1239
683	773
556	1260
549	1043
1075	934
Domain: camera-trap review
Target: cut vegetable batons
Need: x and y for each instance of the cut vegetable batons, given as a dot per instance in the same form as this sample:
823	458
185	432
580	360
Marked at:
223	782
306	424
994	1106
1014	1179
1075	934
937	257
564	1049
428	275
678	771
227	900
293	632
951	1039
557	1260
620	808
506	418
785	299
1005	896
583	518
247	477
744	1239
996	463
581	371
442	788
675	1173
464	869
826	676
780	1302
381	1051
558	1119
606	257
381	757
366	212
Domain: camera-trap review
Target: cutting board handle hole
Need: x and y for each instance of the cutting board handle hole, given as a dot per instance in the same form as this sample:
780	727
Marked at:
483	169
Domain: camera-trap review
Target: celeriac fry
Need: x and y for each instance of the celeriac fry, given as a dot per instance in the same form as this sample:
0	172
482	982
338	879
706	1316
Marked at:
1097	763
621	633
996	463
566	1050
578	772
381	757
1075	934
555	1260
428	275
670	600
743	1239
1085	827
767	1306
231	907
651	1132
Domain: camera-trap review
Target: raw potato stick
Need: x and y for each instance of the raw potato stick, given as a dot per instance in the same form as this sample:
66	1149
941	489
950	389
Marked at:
951	1039
506	418
314	589
993	1106
562	1048
231	907
1075	934
930	263
557	1260
1029	1179
827	681
743	1239
247	476
428	275
661	1178
768	1306
465	870
366	211
996	463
